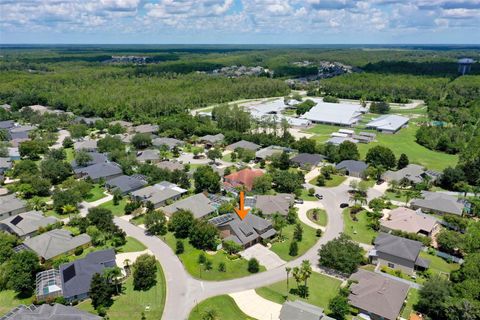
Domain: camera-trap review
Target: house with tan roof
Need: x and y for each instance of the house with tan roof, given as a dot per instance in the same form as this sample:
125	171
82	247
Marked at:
408	220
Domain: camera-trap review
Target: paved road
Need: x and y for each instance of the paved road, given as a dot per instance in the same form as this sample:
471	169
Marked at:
62	134
184	292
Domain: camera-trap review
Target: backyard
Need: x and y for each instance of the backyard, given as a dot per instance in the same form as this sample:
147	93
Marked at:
358	230
10	300
282	248
322	288
412	299
438	264
234	268
224	307
131	303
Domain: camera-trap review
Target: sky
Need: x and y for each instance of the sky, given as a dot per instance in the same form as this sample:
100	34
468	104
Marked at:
240	21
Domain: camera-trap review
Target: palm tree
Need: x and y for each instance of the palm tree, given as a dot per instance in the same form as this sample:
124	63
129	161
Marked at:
68	209
288	269
36	203
297	275
306	270
409	194
112	275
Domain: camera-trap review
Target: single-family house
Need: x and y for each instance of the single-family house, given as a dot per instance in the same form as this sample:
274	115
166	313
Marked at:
158	194
243	144
88	145
410	221
388	123
352	168
170	143
48	285
437	202
7	124
198	204
307	160
211	140
124	124
170	165
247	232
10	206
96	157
341	114
376	296
243	178
76	276
99	171
146	128
14	153
268	152
49	312
126	184
412	173
271	204
54	243
5	164
86	120
299	310
26	224
398	253
148	156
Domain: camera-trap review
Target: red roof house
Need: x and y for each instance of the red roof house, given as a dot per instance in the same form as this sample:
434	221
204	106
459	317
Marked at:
243	177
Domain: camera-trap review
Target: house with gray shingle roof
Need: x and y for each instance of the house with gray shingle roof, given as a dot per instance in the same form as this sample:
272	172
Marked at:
299	310
169	142
352	168
56	242
210	140
413	173
388	123
271	204
159	194
76	276
198	204
49	312
437	202
376	296
268	152
26	224
307	160
146	128
10	206
89	145
5	164
247	232
149	155
170	165
96	158
7	124
398	253
96	172
126	184
243	144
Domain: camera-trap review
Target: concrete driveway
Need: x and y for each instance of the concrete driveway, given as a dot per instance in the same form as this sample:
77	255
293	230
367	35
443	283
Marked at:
266	257
255	306
302	213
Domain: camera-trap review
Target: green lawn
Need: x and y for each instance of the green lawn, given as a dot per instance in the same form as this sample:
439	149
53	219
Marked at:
335	181
321	217
439	265
224	306
118	210
412	299
138	220
132	245
55	214
322	131
304	196
358	230
131	303
322	288
70	155
10	300
235	268
95	194
282	248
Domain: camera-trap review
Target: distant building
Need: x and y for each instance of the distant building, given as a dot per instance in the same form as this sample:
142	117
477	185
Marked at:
388	123
170	143
412	173
465	65
307	160
158	194
353	168
26	224
89	145
437	202
126	184
243	178
211	140
96	158
149	155
199	205
10	206
341	114
170	165
268	152
5	164
96	172
146	128
243	144
49	312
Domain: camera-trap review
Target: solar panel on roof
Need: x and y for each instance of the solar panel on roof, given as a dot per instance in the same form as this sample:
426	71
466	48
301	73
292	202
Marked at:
69	273
16	220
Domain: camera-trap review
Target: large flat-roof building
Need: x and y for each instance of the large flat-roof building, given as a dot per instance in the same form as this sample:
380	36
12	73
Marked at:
388	123
340	114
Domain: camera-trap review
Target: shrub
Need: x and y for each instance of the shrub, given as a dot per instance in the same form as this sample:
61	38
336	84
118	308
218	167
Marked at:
78	251
179	247
293	250
208	265
311	192
383	269
318	232
222	267
201	258
398	273
253	265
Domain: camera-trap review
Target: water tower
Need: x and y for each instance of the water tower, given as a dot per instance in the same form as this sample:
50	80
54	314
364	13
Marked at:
465	65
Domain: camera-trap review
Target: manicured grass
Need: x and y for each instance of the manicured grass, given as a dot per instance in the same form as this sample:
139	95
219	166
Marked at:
395	196
132	245
224	306
439	265
282	248
322	288
118	210
404	142
412	299
235	268
394	272
358	230
70	155
335	181
306	197
131	303
138	220
321	217
55	214
227	157
10	300
95	194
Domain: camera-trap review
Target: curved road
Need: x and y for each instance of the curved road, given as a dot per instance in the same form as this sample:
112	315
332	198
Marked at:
184	292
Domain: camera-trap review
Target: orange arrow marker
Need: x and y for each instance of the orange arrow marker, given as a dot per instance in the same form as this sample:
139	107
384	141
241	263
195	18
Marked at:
242	212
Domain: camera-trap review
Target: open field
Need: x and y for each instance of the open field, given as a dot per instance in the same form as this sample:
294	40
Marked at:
224	306
322	288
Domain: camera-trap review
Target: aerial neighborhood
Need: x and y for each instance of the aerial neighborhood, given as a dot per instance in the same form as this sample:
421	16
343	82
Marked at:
293	206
